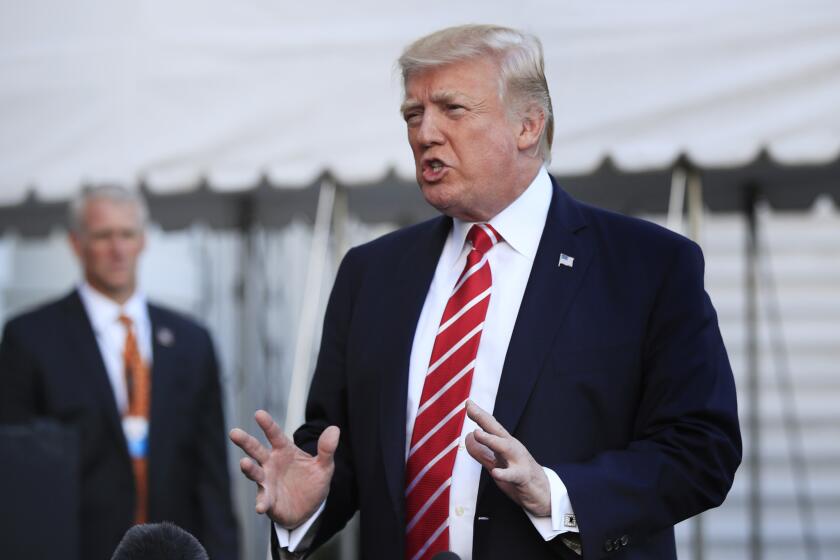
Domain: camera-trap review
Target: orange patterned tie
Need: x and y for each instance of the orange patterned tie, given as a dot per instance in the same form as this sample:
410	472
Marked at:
136	419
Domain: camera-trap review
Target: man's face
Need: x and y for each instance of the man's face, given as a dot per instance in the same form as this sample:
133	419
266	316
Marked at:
108	245
464	143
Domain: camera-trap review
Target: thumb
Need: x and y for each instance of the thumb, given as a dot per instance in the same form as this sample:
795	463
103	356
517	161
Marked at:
327	444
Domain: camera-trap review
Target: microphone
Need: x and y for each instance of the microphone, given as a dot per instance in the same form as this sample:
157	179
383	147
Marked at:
159	541
446	556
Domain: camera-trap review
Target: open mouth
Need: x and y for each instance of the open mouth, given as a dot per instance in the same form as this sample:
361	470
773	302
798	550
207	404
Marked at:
433	170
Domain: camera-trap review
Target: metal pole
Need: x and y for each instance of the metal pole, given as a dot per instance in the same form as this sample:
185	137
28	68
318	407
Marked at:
790	415
349	537
753	385
676	201
311	298
694	187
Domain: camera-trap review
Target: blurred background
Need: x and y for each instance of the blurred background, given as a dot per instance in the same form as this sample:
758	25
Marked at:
267	139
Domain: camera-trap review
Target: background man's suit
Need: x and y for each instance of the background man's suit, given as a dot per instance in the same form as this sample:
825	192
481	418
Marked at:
616	377
51	366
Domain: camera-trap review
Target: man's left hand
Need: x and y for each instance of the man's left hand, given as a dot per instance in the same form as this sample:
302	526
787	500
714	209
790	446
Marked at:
511	465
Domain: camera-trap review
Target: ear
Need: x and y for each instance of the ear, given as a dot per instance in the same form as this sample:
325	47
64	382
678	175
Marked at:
142	240
531	123
74	237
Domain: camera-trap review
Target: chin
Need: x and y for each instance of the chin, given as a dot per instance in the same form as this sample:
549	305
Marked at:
433	198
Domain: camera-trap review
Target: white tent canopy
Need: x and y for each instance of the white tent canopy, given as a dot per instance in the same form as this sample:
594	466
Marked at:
170	93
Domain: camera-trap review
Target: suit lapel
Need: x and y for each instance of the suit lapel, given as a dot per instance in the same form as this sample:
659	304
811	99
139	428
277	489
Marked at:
91	365
403	303
163	381
551	288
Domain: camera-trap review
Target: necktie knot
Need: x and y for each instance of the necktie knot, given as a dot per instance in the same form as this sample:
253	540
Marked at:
125	320
483	237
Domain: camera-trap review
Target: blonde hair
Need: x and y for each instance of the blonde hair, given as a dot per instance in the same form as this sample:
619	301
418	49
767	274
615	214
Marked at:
521	68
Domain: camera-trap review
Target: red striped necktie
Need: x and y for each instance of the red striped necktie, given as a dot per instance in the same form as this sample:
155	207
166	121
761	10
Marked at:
440	416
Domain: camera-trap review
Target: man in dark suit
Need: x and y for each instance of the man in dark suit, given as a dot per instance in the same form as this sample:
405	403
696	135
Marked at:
588	334
137	384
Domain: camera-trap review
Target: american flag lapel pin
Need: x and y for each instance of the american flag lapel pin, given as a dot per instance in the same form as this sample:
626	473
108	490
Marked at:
165	336
566	260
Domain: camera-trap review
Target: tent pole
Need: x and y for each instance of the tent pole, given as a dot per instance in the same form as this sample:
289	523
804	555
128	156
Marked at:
753	387
790	416
676	202
348	543
311	300
340	218
694	187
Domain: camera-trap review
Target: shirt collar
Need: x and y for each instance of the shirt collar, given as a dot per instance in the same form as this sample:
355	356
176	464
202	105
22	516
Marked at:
521	223
103	311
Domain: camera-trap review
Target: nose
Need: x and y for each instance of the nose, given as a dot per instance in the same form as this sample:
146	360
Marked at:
429	132
118	245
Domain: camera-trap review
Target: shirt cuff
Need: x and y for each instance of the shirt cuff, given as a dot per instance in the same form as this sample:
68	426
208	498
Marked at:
562	518
293	539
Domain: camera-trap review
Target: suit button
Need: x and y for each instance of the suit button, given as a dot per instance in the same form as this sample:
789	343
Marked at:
608	546
624	540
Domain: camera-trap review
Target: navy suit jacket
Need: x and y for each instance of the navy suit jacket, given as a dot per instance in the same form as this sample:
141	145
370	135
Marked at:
616	377
51	367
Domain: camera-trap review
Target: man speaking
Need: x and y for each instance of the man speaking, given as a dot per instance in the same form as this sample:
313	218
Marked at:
524	376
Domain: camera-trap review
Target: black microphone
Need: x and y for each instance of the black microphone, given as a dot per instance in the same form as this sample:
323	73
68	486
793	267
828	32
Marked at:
159	541
446	556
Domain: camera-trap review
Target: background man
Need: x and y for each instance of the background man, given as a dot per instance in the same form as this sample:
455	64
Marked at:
588	334
138	384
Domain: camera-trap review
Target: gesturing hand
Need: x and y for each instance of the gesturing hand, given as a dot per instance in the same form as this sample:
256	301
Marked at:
513	468
291	484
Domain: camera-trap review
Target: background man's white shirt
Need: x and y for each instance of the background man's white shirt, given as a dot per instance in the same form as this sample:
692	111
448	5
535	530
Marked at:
104	313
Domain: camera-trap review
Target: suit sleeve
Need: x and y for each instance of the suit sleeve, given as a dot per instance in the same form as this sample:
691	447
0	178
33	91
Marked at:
686	442
327	402
18	379
213	481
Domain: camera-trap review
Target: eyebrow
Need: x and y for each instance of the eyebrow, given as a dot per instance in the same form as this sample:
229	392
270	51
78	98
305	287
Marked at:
408	104
438	98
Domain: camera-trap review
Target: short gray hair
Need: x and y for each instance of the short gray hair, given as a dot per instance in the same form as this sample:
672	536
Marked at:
113	193
520	58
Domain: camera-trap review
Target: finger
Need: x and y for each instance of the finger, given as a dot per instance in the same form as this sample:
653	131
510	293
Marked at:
263	500
249	444
510	475
485	420
479	452
501	446
252	470
271	429
327	444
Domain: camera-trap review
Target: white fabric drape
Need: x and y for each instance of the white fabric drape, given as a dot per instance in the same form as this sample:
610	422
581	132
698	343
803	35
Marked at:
175	92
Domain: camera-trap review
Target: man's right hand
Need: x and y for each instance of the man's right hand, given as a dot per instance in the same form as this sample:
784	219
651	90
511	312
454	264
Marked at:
291	484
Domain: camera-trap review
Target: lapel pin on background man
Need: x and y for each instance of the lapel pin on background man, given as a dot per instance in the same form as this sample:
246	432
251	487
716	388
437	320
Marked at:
588	334
137	382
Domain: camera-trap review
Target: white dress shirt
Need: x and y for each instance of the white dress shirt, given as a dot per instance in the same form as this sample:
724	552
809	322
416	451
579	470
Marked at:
520	225
104	314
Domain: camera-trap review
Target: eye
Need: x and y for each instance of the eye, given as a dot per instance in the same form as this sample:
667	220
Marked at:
100	235
412	117
455	108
